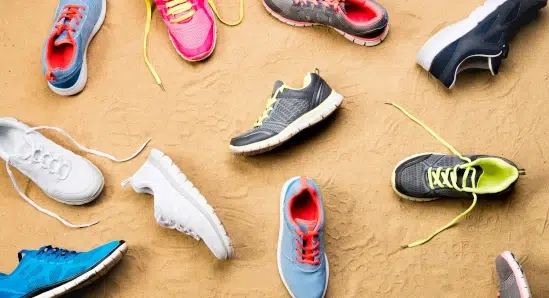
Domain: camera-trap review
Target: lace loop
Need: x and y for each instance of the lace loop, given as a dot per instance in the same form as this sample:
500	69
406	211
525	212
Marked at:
69	13
268	108
307	253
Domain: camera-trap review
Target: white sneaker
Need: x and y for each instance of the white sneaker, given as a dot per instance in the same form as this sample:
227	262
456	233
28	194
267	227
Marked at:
178	204
64	176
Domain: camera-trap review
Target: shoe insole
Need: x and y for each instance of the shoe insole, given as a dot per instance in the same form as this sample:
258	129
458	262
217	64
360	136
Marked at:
61	56
304	207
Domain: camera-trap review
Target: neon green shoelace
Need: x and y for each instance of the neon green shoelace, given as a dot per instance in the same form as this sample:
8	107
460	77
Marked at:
448	176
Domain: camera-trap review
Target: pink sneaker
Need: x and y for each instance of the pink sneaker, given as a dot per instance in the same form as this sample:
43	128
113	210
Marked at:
191	27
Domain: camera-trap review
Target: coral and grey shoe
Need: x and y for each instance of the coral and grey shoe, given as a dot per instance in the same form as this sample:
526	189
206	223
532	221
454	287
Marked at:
512	281
52	272
302	261
64	60
288	112
364	22
178	204
429	176
480	41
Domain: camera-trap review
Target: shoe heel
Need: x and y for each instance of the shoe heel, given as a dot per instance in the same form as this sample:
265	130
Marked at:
141	181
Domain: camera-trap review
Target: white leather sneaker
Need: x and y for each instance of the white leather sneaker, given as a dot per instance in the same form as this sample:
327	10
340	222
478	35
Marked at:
178	204
64	176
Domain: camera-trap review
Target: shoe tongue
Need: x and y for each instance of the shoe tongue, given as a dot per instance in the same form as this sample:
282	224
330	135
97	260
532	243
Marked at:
306	225
468	181
62	39
277	86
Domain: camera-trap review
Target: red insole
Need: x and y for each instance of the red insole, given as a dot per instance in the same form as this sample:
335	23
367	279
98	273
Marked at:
61	56
304	207
359	13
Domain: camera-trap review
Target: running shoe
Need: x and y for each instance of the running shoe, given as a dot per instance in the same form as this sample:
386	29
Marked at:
288	112
178	204
64	176
302	261
429	176
364	22
191	28
480	41
53	272
512	281
64	59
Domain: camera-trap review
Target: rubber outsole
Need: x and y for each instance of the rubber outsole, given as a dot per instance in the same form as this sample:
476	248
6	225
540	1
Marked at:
369	42
279	247
325	109
179	181
87	278
83	76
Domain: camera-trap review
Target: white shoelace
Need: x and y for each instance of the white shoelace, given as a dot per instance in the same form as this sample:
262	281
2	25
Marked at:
81	147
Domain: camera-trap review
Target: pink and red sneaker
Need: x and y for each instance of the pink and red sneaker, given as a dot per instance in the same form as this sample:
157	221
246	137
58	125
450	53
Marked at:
191	27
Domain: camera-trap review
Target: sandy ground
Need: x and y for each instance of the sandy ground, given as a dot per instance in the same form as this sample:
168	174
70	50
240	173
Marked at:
351	155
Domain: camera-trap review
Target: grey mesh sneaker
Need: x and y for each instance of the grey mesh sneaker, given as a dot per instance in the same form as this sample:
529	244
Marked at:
512	281
429	176
364	22
288	112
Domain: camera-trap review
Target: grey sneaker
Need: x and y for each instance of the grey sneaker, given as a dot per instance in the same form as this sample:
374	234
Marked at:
288	112
429	176
512	281
364	22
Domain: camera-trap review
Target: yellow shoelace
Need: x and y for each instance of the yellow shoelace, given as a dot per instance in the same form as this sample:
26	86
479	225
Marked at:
178	7
268	108
449	178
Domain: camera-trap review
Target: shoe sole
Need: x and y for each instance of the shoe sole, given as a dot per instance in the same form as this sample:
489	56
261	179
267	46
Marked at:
393	179
518	273
90	276
451	33
83	76
307	120
199	57
279	249
188	191
369	42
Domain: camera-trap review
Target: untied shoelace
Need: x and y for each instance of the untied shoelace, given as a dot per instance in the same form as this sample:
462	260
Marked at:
178	7
81	147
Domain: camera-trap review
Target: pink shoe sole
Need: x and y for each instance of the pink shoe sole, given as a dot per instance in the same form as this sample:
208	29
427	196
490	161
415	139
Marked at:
369	42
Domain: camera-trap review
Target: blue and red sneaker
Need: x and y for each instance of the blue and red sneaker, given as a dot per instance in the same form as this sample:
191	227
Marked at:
302	262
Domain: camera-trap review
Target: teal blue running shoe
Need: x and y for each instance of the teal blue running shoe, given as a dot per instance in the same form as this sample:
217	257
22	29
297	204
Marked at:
302	262
51	271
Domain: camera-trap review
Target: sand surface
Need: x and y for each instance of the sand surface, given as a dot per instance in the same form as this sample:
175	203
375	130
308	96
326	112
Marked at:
351	155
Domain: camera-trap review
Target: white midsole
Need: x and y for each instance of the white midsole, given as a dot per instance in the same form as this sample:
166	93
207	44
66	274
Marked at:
519	275
279	247
89	276
309	119
453	32
83	76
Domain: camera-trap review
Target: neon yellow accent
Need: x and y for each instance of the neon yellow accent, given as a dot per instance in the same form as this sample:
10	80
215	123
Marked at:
237	22
497	178
178	7
269	107
147	29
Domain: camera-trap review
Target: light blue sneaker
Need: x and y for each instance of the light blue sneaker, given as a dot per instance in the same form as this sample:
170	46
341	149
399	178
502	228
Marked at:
64	56
51	272
302	262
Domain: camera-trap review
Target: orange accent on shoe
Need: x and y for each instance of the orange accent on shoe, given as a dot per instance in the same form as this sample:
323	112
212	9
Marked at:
49	75
69	12
307	253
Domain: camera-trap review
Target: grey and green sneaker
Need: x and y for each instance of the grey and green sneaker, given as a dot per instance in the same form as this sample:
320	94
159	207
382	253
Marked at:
512	281
429	176
288	112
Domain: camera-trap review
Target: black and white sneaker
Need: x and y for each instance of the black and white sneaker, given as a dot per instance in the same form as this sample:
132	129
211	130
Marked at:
480	41
288	112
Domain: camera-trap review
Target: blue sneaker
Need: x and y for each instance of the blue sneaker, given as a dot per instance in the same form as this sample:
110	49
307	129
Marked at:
64	56
51	271
302	262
